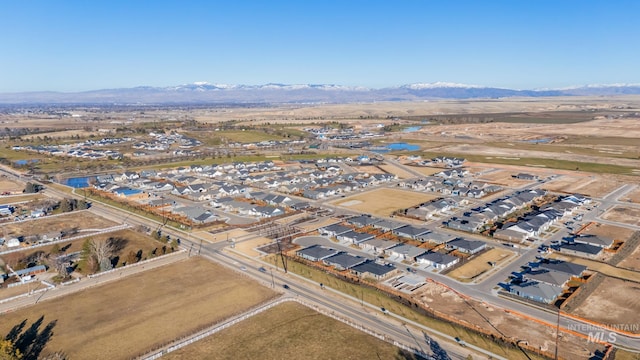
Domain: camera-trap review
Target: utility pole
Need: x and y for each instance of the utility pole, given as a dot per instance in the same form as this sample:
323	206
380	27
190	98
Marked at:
557	334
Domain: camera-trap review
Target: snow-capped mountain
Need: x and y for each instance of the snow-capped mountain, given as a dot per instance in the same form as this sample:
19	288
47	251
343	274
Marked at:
205	92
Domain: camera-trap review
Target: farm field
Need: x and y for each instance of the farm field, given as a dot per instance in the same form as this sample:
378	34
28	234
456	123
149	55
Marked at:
131	316
480	264
623	214
614	301
298	331
383	202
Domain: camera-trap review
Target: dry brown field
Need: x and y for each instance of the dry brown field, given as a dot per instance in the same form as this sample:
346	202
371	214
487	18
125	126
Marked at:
426	171
632	196
317	223
608	231
400	173
61	134
383	202
614	301
623	214
593	186
4	200
248	247
11	186
480	264
632	261
80	220
369	169
123	319
289	331
504	178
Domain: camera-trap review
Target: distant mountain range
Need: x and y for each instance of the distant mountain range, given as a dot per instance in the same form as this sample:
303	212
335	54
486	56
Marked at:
203	92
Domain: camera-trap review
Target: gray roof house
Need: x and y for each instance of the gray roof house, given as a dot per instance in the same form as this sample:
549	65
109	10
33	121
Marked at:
536	291
334	230
316	252
343	261
563	266
412	232
378	245
372	269
354	237
387	225
363	220
466	246
405	252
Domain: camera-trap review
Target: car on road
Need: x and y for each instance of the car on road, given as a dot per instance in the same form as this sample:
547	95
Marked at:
285	286
262	269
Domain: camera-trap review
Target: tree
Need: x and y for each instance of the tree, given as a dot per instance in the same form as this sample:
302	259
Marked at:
8	351
103	250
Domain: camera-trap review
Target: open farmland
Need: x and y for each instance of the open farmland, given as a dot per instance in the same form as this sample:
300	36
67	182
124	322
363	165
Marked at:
125	318
479	264
623	214
383	202
613	301
290	331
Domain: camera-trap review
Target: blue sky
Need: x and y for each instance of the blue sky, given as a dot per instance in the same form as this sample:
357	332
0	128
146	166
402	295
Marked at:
84	45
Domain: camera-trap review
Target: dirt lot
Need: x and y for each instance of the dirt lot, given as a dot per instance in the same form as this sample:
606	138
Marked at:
426	171
632	196
608	231
383	202
400	173
125	318
600	267
79	220
594	186
247	247
505	178
10	186
479	264
4	200
632	261
296	330
541	336
369	169
317	223
623	214
614	301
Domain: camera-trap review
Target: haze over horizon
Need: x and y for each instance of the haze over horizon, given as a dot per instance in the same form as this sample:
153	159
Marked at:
77	46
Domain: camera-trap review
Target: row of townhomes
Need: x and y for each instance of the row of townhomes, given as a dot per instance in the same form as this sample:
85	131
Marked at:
454	186
534	223
382	237
475	219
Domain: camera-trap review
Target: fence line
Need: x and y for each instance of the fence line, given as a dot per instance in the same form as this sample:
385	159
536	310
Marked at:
246	315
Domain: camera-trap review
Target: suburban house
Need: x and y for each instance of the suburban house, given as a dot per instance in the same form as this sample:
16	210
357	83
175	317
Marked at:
378	245
316	253
343	261
580	249
362	220
334	230
594	240
404	252
371	269
412	232
563	266
354	237
437	260
536	291
466	246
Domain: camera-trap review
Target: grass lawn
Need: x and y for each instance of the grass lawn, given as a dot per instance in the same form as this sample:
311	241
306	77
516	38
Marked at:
289	331
123	319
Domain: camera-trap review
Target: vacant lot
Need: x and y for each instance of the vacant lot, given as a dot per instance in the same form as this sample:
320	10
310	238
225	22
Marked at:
600	267
480	264
369	169
289	331
10	186
14	199
614	301
427	171
594	186
248	247
504	178
608	231
399	172
632	196
125	318
623	214
383	202
80	220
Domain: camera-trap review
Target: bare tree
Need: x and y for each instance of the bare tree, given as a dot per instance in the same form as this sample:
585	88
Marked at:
103	250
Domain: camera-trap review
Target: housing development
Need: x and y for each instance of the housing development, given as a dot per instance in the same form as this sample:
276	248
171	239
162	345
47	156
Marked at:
422	230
